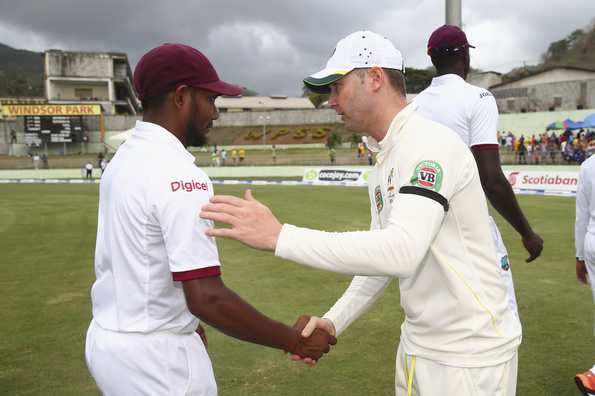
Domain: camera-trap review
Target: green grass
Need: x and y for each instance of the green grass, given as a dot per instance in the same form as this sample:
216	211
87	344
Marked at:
47	239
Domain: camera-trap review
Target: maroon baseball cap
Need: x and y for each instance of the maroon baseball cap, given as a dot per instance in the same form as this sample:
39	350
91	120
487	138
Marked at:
168	66
447	39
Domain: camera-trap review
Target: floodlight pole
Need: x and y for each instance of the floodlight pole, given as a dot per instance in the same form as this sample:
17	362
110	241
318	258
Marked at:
454	12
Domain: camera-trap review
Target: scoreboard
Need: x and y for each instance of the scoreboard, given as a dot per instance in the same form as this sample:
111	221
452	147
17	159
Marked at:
53	129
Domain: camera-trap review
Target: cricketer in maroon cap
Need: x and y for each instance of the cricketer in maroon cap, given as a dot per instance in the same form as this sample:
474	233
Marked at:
177	86
158	276
473	115
449	50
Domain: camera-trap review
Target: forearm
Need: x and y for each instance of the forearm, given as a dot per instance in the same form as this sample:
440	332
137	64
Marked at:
502	198
394	251
357	299
233	316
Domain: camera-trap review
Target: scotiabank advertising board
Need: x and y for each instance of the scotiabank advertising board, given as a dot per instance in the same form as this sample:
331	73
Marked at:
548	182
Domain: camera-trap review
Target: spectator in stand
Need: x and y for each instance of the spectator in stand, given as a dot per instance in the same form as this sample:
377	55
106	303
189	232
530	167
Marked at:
223	156
242	155
234	157
332	153
517	144
44	161
543	151
36	159
509	138
214	158
274	153
536	153
522	151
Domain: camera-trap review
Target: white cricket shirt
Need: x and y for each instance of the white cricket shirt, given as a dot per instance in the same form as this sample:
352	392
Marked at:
149	235
585	211
468	110
430	229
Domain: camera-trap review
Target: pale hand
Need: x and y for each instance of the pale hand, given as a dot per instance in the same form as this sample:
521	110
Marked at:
252	223
308	327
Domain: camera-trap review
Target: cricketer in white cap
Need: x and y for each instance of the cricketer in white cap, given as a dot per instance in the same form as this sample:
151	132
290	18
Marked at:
430	229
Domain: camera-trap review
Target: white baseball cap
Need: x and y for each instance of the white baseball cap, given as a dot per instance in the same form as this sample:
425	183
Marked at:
361	49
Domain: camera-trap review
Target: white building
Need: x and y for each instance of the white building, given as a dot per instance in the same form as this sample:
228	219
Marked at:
552	89
90	78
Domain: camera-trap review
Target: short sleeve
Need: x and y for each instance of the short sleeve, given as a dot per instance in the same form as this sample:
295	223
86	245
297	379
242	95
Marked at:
483	128
191	253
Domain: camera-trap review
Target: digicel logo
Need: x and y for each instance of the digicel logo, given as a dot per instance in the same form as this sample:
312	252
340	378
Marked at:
188	186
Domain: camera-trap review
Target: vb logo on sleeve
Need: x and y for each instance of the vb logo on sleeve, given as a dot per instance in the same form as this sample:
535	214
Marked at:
427	174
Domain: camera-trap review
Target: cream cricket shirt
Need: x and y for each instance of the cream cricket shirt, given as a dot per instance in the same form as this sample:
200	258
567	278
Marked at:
468	110
149	235
430	229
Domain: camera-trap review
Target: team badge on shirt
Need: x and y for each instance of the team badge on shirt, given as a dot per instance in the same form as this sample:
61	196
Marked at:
504	264
378	199
427	174
391	187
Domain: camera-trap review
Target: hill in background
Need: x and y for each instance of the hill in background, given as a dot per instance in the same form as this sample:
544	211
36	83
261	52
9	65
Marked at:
21	72
577	49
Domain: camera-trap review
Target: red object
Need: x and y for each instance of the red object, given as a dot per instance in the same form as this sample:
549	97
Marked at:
486	147
447	39
168	66
196	274
586	382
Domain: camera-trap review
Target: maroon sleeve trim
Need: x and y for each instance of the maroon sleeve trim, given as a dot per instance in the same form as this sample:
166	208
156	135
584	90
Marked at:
486	147
196	273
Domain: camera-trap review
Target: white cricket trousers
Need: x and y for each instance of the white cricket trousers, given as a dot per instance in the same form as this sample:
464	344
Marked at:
416	376
162	363
505	269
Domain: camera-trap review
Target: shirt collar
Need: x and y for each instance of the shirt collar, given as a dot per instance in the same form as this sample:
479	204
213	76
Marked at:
446	79
148	131
382	147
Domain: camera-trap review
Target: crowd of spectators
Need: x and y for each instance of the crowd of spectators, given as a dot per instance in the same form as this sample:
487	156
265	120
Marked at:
571	147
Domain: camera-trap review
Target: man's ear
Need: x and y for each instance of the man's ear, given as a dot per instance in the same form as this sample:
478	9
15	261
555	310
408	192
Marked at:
376	77
180	96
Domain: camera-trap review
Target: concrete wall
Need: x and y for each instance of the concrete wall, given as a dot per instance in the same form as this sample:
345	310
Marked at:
542	97
65	90
484	80
279	117
65	64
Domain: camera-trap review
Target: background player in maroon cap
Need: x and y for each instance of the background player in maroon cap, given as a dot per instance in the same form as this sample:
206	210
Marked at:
157	272
472	113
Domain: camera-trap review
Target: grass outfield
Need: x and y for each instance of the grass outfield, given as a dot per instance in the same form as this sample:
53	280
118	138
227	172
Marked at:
47	238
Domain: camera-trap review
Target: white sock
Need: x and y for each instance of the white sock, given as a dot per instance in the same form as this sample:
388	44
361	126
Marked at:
593	369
